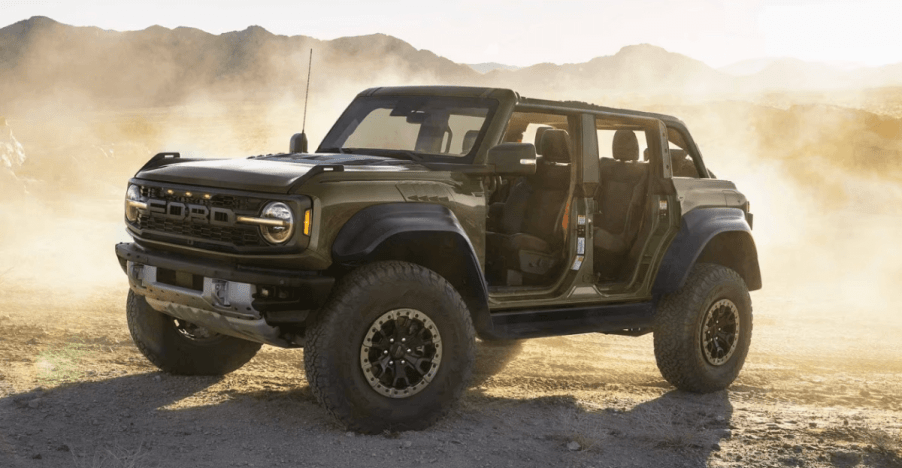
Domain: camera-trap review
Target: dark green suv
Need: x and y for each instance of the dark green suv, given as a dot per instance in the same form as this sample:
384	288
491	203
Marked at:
429	216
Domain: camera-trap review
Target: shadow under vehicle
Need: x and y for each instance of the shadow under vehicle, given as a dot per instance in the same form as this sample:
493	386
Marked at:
429	216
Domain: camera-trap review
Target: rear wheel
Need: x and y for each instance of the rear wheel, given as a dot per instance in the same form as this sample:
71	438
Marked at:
703	331
392	349
181	347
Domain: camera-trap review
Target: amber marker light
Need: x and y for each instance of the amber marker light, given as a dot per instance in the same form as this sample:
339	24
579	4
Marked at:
307	223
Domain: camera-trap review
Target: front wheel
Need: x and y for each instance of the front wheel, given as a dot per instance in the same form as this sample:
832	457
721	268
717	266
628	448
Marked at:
703	331
182	348
393	349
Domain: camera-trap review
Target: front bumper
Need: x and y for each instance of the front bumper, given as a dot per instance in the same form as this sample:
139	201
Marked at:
218	296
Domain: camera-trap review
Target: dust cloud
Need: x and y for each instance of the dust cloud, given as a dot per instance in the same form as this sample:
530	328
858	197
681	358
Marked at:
825	185
822	170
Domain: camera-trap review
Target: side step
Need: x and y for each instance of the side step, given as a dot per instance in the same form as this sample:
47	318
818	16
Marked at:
625	319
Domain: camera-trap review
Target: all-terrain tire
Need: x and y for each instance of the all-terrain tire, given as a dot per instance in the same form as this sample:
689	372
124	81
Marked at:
333	347
160	341
678	329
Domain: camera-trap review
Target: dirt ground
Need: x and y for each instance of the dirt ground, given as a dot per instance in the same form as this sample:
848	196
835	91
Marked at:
820	386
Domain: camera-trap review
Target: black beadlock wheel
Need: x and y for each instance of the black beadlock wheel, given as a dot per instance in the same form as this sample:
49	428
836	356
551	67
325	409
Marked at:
401	353
181	347
392	349
702	333
720	332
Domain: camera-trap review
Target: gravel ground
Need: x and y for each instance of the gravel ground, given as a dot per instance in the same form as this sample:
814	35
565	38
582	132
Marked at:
74	391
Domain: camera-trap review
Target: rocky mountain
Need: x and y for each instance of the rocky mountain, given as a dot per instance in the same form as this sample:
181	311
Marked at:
12	156
42	60
490	66
46	65
794	74
748	66
639	68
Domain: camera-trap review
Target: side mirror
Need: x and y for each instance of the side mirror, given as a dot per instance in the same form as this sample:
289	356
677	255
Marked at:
513	158
298	143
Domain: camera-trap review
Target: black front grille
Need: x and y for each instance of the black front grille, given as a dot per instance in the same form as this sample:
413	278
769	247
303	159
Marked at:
200	233
239	236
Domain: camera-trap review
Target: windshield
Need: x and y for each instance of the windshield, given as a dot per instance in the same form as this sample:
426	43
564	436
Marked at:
436	128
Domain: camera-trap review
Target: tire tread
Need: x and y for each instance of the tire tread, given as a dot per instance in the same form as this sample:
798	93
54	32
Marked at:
675	323
328	320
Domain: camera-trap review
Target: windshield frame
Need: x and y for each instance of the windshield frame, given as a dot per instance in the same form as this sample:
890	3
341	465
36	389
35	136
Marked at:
347	117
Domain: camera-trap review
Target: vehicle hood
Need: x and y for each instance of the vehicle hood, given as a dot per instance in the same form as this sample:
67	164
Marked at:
271	173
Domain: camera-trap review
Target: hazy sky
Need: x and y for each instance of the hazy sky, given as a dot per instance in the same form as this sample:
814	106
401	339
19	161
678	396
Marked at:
524	32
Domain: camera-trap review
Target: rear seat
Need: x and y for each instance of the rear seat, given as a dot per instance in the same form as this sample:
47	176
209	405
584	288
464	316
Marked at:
620	199
683	166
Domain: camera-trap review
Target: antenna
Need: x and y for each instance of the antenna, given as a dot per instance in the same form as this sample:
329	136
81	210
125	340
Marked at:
307	92
299	140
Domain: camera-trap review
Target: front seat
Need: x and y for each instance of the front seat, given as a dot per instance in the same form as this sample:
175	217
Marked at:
469	140
528	247
540	132
620	200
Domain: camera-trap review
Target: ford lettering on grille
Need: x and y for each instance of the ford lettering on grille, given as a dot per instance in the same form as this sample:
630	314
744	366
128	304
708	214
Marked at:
201	214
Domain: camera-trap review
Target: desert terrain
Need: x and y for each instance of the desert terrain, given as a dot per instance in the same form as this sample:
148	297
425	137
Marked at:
820	388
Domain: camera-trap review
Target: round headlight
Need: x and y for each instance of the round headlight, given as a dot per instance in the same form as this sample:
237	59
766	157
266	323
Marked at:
278	234
133	194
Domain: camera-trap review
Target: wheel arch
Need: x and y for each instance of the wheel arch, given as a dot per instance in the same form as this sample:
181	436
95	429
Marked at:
425	234
711	235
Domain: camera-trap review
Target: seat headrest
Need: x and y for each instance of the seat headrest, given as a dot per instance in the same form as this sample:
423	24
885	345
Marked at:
626	146
540	132
469	141
556	146
674	154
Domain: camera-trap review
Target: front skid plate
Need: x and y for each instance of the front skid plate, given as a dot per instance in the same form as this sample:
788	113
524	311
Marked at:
252	330
222	306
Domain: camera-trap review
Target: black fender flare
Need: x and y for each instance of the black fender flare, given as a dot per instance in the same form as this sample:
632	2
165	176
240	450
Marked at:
715	235
419	228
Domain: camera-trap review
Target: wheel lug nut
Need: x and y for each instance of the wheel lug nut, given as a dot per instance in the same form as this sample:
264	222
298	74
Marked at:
391	362
402	361
385	352
391	340
408	350
403	339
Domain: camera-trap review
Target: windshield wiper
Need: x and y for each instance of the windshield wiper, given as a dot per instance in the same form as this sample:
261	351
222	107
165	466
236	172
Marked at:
396	154
388	153
410	155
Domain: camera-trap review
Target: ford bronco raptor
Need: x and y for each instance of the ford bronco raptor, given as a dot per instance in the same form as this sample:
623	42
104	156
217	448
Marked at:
430	216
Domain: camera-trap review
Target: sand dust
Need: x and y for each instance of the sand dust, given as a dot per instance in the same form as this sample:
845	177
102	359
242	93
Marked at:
820	386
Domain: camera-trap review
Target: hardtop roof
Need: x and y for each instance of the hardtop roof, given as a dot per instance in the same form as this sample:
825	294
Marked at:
580	105
484	92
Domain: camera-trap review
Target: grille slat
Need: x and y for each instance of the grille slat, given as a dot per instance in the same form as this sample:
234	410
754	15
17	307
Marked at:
215	201
237	236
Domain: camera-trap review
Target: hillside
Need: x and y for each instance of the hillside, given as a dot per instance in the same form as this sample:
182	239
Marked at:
43	61
490	66
12	155
45	65
639	68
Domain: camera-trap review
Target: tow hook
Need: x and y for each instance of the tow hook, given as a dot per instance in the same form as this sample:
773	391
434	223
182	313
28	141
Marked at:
221	293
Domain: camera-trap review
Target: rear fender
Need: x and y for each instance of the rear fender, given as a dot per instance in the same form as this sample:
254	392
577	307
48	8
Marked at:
709	235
